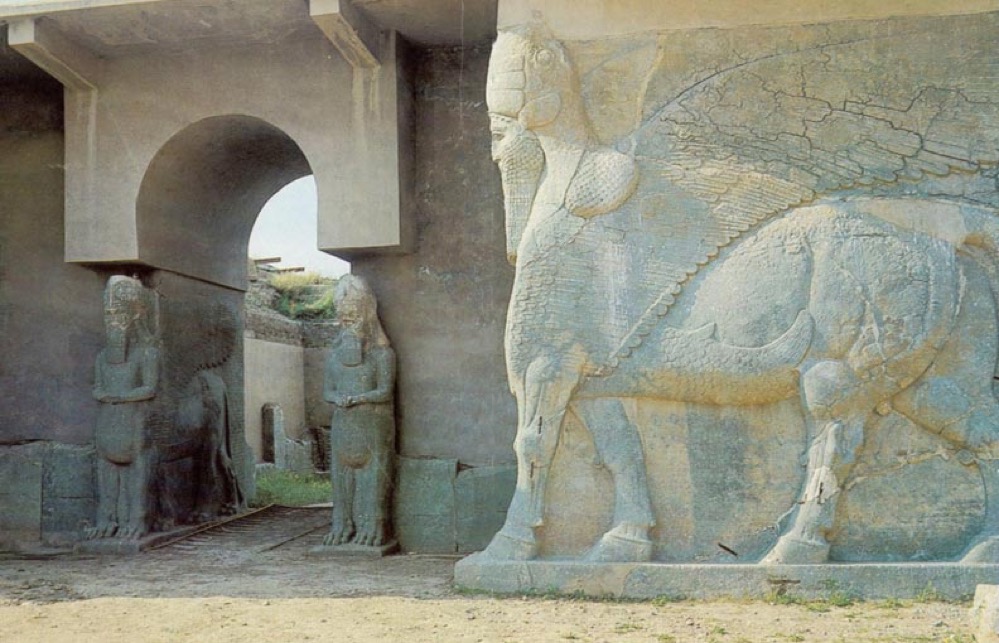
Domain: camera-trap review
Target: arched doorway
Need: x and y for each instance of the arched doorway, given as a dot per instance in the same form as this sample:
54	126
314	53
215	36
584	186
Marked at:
195	210
203	191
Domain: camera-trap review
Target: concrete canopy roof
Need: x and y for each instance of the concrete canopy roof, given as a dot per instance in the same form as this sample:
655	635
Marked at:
112	28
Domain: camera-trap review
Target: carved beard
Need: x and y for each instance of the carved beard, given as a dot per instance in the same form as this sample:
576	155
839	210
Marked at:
521	161
351	351
116	351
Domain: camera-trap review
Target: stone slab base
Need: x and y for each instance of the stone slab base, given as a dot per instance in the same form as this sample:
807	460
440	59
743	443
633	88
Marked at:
985	613
350	549
127	547
647	580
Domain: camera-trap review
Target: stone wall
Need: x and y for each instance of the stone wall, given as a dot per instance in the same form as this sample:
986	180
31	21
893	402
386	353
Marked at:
273	376
285	362
50	330
444	304
50	312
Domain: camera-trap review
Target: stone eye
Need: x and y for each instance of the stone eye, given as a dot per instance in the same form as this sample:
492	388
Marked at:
544	57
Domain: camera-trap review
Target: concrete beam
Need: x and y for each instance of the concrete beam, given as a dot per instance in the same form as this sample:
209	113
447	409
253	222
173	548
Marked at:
41	43
587	19
357	38
364	204
21	8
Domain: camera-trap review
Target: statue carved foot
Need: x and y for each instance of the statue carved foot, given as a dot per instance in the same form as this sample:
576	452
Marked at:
131	533
512	544
790	550
625	543
986	551
340	534
105	530
371	535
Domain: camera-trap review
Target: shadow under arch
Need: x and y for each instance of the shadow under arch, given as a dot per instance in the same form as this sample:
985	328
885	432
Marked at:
202	192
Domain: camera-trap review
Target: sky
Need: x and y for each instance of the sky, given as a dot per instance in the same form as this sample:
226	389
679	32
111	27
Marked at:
286	228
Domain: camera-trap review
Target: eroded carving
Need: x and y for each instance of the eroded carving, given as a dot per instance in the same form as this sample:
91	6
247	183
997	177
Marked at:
144	425
126	379
761	237
360	383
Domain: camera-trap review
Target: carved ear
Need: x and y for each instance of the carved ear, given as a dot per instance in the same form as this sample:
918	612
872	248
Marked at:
541	111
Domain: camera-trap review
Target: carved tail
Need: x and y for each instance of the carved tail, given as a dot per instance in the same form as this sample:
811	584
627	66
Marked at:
214	407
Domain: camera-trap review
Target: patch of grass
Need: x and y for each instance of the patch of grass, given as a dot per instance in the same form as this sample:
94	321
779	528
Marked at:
667	638
782	597
929	594
840	599
296	281
292	489
892	604
298	297
835	598
624	628
666	599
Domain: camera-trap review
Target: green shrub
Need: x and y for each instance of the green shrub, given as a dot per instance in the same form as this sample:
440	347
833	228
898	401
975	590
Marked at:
304	295
279	487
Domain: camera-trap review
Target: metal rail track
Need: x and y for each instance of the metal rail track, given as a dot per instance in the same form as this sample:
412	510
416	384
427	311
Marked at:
257	531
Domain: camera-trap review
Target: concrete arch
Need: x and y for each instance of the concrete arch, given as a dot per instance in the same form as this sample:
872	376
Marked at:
202	191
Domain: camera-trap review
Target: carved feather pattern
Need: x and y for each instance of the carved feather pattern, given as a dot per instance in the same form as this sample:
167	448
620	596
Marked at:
885	115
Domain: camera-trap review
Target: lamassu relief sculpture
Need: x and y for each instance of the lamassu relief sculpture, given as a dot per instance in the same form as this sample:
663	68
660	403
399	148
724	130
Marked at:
147	421
794	231
360	384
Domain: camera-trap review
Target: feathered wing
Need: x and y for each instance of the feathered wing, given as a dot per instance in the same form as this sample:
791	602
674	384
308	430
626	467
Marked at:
197	336
888	115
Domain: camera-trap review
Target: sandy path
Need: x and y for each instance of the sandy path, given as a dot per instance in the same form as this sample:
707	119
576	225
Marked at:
248	595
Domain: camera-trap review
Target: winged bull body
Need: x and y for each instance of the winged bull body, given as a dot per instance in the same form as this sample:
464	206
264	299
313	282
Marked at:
753	289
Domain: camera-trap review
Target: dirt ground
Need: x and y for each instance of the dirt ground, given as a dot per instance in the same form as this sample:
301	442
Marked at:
255	579
282	595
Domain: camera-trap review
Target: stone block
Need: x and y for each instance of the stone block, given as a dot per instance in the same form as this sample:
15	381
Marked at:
482	495
63	519
69	472
295	455
425	505
21	493
985	614
868	581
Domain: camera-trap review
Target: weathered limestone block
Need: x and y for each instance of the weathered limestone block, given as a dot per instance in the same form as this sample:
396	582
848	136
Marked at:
754	317
360	384
69	502
985	614
289	454
163	436
481	496
425	505
21	469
